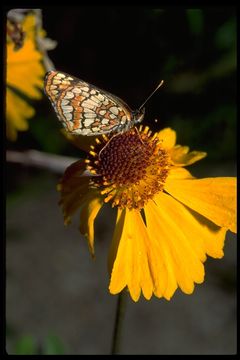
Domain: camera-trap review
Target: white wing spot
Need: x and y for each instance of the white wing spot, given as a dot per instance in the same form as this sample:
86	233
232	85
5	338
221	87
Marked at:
105	121
76	90
100	97
83	132
67	109
69	95
102	112
68	116
59	75
89	114
114	110
88	122
64	102
89	103
95	98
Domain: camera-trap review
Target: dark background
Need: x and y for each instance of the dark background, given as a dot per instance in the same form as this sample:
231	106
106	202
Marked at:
126	51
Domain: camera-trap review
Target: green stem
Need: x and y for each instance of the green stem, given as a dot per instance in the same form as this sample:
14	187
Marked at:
116	340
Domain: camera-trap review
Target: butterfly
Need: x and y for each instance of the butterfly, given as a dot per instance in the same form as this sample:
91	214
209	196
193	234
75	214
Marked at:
84	109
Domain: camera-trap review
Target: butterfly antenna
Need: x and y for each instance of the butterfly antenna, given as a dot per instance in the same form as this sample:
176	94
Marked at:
159	85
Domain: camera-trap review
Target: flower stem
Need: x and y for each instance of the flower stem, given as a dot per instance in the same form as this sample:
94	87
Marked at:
116	340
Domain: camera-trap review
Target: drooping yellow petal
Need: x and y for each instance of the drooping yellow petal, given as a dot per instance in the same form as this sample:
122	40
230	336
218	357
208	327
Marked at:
168	138
214	198
76	193
91	204
73	187
131	266
181	157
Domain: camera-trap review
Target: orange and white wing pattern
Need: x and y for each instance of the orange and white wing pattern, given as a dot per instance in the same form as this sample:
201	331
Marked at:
83	109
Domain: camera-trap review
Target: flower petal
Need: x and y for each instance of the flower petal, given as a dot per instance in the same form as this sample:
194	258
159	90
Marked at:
73	187
91	205
131	267
168	138
16	120
160	260
181	239
171	255
116	238
179	173
203	236
181	157
214	198
76	193
26	63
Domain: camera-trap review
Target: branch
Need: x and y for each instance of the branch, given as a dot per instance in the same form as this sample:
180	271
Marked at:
52	162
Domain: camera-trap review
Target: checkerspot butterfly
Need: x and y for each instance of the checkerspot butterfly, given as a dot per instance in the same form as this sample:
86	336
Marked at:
84	109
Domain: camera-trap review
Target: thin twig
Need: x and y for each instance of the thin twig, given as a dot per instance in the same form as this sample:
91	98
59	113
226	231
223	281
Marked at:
117	332
52	162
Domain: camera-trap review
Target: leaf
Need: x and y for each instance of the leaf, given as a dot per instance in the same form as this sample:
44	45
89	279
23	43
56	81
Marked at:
52	346
26	345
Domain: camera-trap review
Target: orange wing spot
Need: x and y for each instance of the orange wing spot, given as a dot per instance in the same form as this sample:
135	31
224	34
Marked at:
49	78
76	119
63	86
106	127
76	124
96	123
48	85
76	101
112	122
107	116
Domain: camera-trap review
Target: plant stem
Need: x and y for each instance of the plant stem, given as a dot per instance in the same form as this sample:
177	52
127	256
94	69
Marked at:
120	310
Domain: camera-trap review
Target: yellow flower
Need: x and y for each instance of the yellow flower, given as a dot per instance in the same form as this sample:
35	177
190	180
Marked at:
167	220
24	73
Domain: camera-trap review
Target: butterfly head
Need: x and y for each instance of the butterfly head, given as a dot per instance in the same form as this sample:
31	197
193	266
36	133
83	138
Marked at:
138	115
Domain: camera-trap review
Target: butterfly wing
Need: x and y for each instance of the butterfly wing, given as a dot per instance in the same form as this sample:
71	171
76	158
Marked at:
83	108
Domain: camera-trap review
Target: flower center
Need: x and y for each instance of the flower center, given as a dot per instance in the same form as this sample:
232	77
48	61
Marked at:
132	166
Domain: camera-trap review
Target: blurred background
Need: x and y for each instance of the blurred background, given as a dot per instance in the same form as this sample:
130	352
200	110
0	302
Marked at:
57	298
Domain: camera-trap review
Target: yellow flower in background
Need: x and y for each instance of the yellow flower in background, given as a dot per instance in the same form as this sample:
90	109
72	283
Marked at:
167	220
24	71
